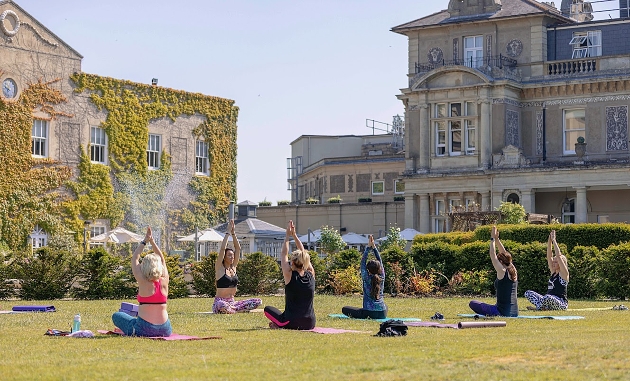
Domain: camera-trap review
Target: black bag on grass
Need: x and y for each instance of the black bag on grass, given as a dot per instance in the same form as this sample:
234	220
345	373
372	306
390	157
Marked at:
392	327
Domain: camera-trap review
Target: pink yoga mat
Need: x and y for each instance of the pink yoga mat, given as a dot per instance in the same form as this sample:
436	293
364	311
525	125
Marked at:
460	325
173	336
332	330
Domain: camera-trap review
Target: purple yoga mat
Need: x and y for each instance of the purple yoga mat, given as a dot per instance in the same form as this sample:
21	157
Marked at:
332	330
460	325
34	308
173	336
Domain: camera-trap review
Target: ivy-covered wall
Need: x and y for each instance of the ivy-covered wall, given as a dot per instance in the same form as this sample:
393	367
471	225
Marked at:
125	191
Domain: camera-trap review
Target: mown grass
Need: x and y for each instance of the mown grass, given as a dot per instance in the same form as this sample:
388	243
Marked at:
595	348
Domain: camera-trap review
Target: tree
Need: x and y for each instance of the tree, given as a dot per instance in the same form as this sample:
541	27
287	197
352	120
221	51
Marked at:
512	213
330	240
393	238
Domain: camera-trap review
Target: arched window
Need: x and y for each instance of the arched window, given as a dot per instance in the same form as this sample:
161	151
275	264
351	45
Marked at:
568	211
513	198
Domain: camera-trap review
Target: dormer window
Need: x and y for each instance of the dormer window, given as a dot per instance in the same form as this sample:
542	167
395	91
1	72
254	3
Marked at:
587	44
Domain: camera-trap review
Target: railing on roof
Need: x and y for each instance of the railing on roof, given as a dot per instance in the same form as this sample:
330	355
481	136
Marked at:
499	61
574	66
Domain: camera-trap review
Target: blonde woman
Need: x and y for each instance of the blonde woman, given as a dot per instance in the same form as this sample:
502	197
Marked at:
506	283
227	280
152	277
299	288
556	297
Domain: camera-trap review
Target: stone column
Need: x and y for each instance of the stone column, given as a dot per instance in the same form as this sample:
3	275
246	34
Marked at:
425	214
410	210
412	138
425	138
485	134
527	200
581	215
485	201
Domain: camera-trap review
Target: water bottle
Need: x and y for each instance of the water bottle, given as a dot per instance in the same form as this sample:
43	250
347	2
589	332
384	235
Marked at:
76	323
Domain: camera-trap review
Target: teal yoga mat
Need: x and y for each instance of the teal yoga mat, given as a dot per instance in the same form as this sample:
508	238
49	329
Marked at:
560	317
342	316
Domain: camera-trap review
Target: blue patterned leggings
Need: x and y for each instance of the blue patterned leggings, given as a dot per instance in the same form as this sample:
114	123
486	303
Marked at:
230	306
546	302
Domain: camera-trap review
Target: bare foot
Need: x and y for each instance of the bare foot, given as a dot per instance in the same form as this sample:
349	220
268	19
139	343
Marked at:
273	325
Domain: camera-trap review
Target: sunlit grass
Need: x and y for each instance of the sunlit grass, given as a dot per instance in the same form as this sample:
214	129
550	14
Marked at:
595	348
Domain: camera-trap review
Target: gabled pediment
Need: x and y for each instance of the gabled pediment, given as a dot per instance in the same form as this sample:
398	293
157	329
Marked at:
449	76
18	29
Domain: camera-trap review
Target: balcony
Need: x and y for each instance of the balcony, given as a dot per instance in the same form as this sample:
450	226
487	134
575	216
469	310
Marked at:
574	66
499	62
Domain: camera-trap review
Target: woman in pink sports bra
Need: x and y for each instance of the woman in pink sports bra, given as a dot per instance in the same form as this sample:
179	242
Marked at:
152	277
227	280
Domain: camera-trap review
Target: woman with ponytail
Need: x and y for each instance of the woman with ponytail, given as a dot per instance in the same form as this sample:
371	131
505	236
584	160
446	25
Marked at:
373	276
506	283
299	288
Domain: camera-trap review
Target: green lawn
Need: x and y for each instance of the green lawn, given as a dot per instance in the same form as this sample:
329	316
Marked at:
595	348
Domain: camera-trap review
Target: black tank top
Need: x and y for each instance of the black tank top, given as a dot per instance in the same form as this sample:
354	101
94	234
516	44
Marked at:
506	296
299	293
556	288
227	281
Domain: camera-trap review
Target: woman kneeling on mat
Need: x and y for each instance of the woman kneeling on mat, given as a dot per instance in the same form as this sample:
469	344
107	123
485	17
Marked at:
152	277
556	297
227	280
373	276
299	288
505	284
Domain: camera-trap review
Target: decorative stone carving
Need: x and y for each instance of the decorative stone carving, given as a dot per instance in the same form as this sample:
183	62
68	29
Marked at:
350	184
488	49
514	48
616	128
435	55
510	157
512	128
9	16
455	49
539	133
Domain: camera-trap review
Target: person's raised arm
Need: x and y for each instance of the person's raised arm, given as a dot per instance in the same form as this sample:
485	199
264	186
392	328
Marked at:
498	266
552	237
561	259
158	252
218	265
298	244
284	254
135	257
237	245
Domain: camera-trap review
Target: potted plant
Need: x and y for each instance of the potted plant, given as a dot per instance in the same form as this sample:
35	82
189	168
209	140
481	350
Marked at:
580	148
264	203
334	200
312	201
365	199
283	202
399	198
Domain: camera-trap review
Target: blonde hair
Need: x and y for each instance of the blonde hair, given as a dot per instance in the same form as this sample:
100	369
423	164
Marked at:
151	267
301	259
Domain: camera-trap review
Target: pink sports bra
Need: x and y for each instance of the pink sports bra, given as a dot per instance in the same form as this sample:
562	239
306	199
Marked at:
157	298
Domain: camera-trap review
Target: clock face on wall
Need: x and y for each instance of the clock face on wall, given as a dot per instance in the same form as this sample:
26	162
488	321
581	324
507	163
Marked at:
9	88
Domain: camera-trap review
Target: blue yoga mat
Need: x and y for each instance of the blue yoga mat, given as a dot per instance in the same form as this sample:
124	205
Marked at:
526	317
342	316
34	308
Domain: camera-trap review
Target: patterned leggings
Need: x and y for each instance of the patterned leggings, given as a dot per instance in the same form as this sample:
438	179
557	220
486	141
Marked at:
545	302
230	306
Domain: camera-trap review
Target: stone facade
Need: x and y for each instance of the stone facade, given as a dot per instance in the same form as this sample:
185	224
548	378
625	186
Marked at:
482	128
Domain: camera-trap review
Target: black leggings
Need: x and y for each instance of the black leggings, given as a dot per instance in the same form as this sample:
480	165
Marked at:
303	323
360	313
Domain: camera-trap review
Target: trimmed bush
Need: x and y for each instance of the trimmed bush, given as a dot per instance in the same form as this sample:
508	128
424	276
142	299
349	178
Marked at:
614	270
439	256
259	274
321	273
456	238
177	285
204	275
345	259
531	264
345	281
583	275
104	276
398	266
47	275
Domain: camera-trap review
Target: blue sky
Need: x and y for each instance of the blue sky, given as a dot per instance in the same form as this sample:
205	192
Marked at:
294	67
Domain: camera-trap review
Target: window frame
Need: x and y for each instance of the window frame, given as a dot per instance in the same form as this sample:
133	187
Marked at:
447	127
382	184
41	140
206	161
396	182
39	238
570	214
567	133
98	148
154	151
476	61
586	44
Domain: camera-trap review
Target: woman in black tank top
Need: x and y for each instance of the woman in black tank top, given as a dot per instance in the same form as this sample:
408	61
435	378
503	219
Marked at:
227	280
299	280
506	283
556	297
